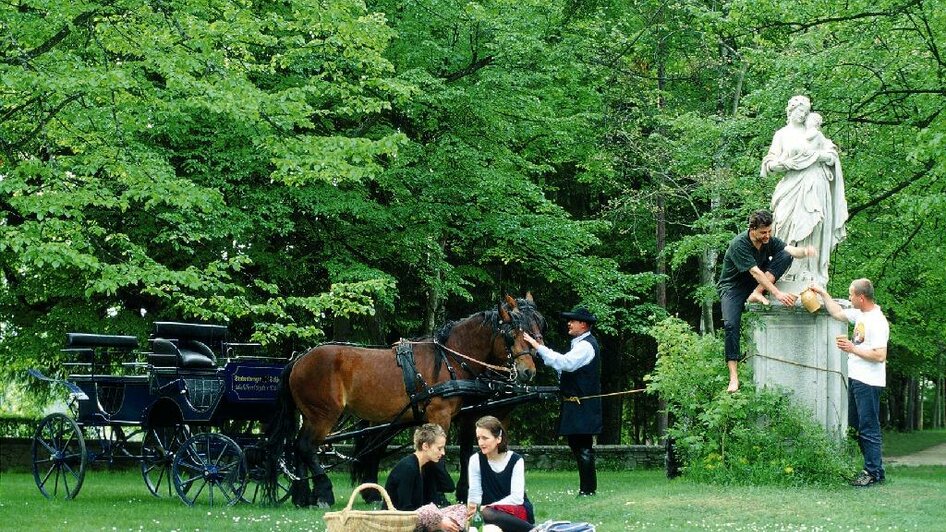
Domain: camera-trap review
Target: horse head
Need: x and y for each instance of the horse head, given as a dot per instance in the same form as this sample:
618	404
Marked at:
517	316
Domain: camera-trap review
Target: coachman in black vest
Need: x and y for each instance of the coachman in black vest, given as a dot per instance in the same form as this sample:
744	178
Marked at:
579	377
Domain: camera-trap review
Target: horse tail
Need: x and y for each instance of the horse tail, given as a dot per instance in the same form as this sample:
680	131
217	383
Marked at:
280	434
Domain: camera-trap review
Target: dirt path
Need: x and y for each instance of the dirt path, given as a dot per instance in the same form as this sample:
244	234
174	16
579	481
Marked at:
935	455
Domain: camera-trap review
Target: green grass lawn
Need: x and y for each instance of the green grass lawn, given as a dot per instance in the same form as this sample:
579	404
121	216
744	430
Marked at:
635	500
903	443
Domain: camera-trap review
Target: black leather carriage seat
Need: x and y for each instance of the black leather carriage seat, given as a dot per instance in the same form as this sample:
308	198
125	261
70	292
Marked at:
205	334
186	354
91	341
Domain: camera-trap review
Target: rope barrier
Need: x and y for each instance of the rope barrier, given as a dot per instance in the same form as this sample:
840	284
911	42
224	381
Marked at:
799	364
574	399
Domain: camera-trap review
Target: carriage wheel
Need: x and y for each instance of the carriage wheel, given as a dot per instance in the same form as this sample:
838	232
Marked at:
59	457
256	477
209	468
158	448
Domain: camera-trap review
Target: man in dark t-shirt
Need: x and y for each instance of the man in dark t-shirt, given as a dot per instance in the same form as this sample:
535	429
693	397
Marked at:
753	262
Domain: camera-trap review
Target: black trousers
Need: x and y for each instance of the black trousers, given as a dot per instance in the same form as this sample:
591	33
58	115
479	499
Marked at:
733	301
583	450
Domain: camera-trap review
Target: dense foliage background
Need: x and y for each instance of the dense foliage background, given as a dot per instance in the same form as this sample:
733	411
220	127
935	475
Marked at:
306	170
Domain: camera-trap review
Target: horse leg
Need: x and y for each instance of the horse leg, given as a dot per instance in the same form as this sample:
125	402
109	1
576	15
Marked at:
299	490
321	494
365	465
441	413
466	435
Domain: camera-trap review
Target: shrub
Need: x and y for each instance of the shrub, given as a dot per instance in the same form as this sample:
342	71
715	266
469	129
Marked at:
17	426
749	437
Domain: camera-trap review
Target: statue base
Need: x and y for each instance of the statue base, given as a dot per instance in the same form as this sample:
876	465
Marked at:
794	286
795	351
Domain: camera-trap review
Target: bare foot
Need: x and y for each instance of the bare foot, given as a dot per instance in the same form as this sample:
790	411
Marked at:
733	386
756	297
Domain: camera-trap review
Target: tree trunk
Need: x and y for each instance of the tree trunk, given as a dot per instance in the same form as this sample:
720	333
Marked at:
939	405
432	308
708	278
918	403
892	403
612	409
936	415
661	231
909	404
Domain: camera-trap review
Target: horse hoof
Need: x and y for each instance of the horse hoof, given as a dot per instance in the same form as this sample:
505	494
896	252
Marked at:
323	505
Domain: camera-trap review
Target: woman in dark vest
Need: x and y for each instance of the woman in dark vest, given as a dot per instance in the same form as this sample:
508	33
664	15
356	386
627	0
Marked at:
415	482
579	373
498	480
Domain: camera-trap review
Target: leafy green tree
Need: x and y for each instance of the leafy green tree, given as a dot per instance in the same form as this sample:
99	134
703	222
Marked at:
175	158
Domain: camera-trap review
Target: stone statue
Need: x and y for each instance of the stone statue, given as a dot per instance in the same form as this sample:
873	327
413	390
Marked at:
808	204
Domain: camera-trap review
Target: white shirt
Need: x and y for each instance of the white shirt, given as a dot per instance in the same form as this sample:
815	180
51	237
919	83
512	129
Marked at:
517	488
581	354
871	330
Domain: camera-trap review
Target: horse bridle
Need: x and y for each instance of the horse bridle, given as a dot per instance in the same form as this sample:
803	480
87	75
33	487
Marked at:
509	330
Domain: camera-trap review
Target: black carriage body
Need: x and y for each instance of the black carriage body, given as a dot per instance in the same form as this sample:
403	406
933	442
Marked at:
242	390
192	406
182	382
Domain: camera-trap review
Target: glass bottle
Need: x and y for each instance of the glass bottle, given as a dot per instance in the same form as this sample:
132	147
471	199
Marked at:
476	522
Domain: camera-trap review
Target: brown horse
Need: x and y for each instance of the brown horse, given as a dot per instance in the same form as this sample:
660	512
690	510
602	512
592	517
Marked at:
370	384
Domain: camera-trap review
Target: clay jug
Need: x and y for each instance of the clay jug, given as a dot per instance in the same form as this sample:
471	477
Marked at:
810	301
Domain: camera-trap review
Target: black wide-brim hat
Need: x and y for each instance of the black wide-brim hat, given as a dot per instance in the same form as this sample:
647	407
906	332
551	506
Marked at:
580	314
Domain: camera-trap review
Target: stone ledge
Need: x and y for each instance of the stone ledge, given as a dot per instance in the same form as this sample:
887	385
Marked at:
608	457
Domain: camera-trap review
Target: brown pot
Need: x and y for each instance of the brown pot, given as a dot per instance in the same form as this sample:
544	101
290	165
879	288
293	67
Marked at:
810	300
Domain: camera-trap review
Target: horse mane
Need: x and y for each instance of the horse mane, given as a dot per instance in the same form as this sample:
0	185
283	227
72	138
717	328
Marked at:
525	307
486	316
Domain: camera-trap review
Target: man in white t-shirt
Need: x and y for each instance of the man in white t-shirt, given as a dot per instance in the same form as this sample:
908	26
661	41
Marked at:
866	370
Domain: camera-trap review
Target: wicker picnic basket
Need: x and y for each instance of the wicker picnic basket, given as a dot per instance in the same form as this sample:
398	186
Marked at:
349	520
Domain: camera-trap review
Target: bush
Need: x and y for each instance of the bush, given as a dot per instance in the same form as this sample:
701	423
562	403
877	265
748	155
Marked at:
749	437
17	426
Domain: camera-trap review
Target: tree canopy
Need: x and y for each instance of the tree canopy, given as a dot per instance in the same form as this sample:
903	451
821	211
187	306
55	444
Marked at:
314	169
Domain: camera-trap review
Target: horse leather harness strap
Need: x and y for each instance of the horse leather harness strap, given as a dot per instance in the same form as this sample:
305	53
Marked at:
404	354
418	391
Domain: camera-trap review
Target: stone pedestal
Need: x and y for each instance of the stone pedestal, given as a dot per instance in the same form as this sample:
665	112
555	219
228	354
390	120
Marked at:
795	350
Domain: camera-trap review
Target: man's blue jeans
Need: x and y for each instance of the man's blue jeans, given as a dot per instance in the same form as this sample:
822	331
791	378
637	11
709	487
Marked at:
863	410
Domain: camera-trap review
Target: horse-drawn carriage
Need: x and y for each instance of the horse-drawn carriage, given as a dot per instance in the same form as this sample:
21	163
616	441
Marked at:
190	413
219	426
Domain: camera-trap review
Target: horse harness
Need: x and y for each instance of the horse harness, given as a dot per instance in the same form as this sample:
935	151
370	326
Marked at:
420	393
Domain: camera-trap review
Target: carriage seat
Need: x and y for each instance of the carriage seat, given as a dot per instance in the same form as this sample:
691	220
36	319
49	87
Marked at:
186	354
205	334
91	341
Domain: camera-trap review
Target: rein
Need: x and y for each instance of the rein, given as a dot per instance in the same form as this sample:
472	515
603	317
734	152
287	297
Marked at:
457	353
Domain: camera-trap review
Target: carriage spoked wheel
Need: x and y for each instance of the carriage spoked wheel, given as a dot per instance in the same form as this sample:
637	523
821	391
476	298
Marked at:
209	468
158	448
59	457
256	477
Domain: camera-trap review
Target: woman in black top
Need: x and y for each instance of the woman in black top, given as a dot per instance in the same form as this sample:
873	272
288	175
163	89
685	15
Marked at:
415	481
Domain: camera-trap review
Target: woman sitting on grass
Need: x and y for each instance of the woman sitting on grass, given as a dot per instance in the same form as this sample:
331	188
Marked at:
498	480
415	482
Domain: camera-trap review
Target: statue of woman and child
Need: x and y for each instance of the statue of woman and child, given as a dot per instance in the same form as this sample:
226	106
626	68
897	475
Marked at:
808	205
